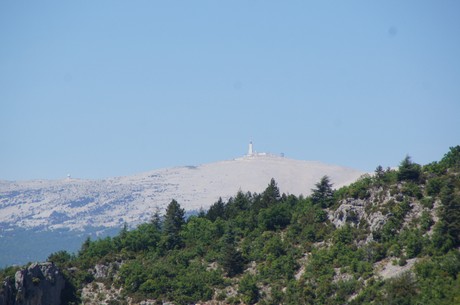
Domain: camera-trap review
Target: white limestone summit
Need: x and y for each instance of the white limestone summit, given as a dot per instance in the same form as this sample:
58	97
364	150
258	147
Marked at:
74	203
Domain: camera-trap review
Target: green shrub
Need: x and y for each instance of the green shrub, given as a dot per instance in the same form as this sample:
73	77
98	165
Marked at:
412	189
401	290
427	202
275	217
248	289
426	221
221	296
434	186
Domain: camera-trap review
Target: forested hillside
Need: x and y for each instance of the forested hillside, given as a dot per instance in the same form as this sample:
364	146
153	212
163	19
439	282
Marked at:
389	238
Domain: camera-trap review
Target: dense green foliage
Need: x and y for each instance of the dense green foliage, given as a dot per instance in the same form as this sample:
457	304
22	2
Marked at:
273	248
323	194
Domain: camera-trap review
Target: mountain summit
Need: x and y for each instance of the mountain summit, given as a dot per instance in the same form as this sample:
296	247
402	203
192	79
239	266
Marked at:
75	204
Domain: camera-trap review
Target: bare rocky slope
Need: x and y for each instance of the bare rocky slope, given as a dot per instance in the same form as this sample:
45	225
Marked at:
43	216
76	204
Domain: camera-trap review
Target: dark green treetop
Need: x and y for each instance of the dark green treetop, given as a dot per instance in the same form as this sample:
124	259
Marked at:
408	170
323	194
172	225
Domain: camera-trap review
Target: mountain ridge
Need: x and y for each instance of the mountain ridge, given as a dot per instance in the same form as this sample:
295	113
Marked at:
75	203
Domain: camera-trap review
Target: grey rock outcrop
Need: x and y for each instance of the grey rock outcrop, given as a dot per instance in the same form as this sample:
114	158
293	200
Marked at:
350	211
39	284
102	271
355	212
7	292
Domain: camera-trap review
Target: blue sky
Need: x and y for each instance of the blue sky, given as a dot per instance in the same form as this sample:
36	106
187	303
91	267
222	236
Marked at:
111	88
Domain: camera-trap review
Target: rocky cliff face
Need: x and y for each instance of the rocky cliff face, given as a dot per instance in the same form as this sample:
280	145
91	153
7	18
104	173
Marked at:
7	292
375	208
39	284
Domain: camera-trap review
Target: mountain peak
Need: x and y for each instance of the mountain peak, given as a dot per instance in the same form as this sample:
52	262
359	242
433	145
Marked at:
75	203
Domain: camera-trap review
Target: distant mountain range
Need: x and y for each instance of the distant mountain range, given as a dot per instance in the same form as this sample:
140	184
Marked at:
80	206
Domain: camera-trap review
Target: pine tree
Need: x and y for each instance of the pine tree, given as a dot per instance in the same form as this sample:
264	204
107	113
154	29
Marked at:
323	194
408	170
85	246
379	172
173	222
231	260
156	220
271	195
216	210
452	158
450	213
236	205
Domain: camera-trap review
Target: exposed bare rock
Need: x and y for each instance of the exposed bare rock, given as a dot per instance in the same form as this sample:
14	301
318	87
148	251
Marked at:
75	203
376	221
386	269
302	262
354	212
7	292
252	268
101	271
97	293
39	284
339	276
351	212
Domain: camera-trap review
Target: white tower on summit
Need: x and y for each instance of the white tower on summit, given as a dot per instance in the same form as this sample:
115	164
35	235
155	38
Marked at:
250	150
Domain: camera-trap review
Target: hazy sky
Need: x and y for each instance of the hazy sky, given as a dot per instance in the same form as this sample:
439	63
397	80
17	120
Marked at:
111	88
